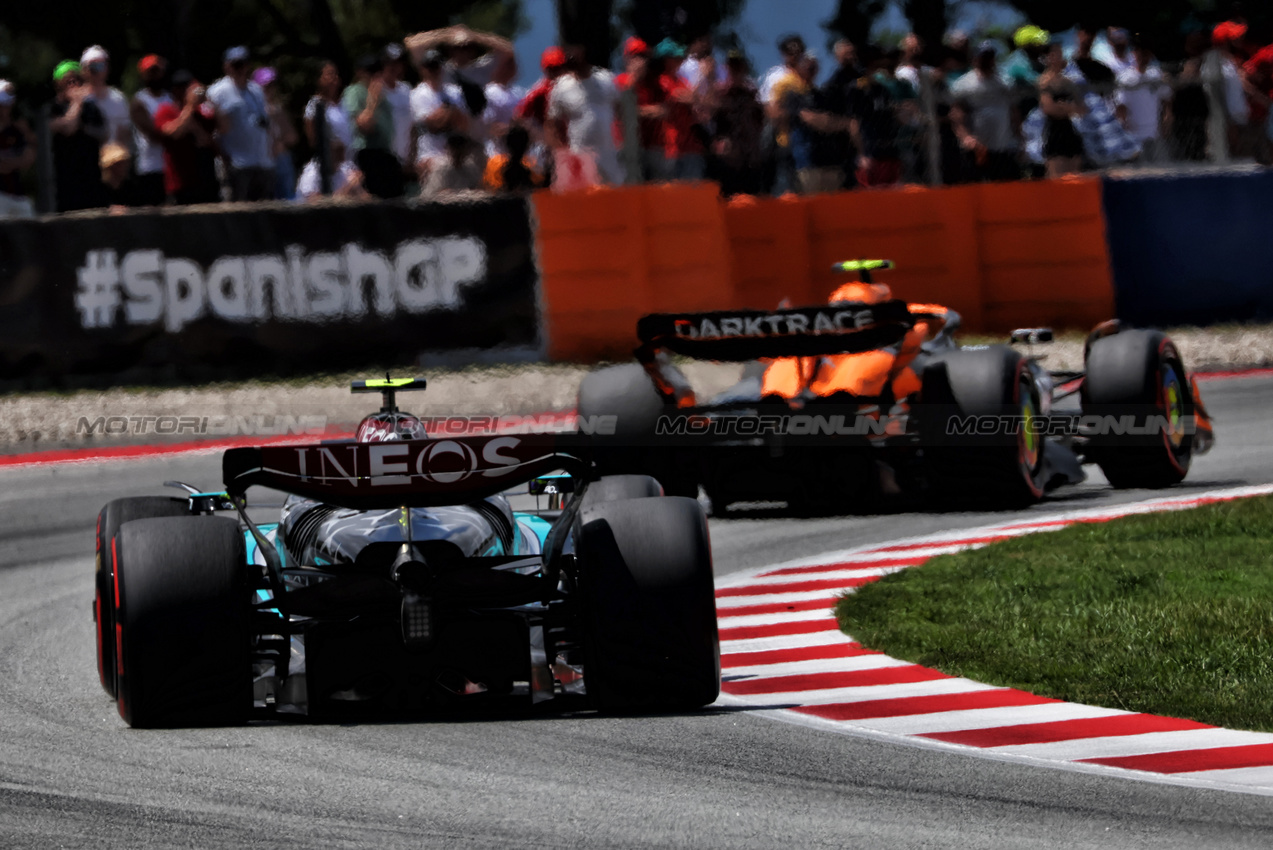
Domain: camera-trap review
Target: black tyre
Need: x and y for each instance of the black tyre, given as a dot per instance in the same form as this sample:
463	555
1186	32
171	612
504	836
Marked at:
112	516
627	393
1137	377
650	605
183	622
991	466
613	488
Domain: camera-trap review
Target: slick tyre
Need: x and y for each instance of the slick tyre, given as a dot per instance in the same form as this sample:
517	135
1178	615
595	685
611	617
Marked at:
112	516
1137	377
182	631
613	488
1000	469
649	606
627	393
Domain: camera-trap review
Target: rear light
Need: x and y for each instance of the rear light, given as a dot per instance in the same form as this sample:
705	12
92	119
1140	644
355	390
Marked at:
417	620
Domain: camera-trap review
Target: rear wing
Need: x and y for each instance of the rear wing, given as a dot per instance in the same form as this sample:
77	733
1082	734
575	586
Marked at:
845	328
412	473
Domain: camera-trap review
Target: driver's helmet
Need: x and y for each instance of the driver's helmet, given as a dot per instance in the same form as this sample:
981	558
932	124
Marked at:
390	427
861	293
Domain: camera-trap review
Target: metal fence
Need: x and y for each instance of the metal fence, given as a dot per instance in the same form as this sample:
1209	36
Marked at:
1193	125
938	141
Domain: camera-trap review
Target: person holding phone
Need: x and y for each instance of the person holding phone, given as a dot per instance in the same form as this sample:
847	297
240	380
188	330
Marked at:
188	124
243	130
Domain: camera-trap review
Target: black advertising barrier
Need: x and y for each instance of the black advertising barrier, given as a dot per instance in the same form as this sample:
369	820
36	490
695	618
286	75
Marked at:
249	289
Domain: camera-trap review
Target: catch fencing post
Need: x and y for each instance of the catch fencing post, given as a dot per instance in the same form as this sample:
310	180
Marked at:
45	183
932	131
322	138
1217	111
631	135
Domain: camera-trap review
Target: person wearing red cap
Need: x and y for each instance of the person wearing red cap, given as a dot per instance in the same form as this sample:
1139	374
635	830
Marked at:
581	112
534	106
635	54
644	77
532	111
1229	40
147	138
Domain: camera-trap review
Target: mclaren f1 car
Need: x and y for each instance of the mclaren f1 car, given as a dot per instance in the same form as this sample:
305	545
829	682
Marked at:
869	395
399	579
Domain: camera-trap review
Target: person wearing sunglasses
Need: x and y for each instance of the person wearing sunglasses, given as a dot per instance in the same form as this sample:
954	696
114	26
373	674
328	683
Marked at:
95	67
78	130
243	130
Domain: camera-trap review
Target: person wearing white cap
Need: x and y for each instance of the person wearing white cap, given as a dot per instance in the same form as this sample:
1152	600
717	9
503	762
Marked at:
243	129
95	66
17	153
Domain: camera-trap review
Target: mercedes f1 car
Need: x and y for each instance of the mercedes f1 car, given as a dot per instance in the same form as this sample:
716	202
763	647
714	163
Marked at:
398	578
869	395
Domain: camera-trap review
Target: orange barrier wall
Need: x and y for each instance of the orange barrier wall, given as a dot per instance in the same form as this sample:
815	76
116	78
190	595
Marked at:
1003	255
608	257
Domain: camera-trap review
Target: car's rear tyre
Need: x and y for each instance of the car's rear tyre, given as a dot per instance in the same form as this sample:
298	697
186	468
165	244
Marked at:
649	605
613	488
182	622
112	516
967	461
627	393
1137	377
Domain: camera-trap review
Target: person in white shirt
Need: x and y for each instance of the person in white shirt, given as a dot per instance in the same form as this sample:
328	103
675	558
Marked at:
95	66
698	60
583	102
398	95
437	110
327	98
793	50
1142	96
502	98
1118	53
346	179
471	60
149	141
471	56
243	130
1227	38
908	66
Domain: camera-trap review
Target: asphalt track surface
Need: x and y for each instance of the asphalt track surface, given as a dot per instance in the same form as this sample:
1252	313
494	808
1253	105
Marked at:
72	774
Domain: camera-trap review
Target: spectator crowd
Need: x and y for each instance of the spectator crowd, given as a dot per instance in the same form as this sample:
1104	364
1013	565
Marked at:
970	109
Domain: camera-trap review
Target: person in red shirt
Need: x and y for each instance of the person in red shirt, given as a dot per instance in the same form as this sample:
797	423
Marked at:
635	54
643	76
533	108
187	123
1258	71
683	140
532	111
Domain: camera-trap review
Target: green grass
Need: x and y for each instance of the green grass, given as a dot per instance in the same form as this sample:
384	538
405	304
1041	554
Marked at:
1169	613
